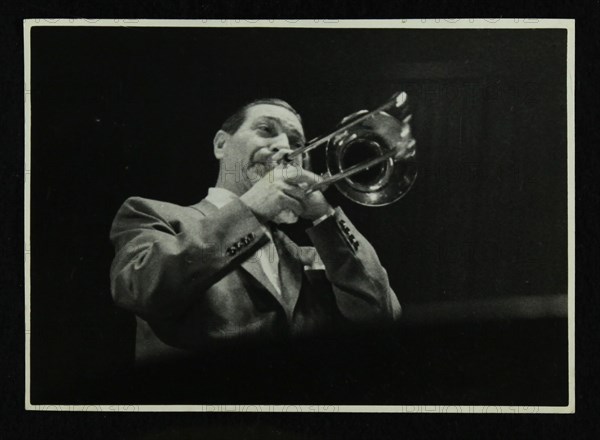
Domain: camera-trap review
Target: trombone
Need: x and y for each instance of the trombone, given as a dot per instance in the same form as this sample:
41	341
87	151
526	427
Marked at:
371	155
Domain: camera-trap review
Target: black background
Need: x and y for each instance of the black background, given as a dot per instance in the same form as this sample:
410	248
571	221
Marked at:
96	425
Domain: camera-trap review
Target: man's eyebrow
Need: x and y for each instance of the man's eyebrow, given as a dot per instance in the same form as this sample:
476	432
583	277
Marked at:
296	133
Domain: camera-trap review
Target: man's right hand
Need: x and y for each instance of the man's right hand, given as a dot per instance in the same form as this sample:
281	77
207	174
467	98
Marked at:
275	192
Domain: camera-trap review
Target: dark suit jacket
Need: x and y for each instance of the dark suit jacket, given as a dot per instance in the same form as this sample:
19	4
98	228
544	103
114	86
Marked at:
191	277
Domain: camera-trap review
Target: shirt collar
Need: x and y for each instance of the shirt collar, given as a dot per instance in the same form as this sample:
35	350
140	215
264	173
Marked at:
220	196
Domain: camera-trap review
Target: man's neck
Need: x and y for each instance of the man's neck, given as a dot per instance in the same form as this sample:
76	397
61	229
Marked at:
226	183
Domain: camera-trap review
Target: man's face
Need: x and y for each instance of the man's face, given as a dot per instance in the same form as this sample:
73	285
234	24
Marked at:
265	136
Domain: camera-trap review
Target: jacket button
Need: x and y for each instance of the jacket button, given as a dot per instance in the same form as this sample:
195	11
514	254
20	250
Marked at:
251	236
231	251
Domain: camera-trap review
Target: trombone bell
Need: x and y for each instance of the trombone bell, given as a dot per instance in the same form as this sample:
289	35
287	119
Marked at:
371	156
381	153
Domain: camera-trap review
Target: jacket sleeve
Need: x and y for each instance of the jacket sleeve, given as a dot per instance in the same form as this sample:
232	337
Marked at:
166	254
360	283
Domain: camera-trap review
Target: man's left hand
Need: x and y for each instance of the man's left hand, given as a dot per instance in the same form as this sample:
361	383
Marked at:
315	205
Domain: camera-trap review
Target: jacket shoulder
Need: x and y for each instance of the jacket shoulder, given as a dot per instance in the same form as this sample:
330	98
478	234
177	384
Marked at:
138	212
140	207
142	204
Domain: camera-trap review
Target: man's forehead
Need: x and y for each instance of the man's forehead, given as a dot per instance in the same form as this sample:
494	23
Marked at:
274	111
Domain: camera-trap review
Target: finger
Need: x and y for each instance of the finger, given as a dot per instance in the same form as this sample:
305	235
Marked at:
283	171
317	188
291	203
318	192
294	191
405	131
302	176
407	151
294	174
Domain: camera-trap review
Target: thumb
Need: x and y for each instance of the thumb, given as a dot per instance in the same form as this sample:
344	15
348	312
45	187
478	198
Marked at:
302	177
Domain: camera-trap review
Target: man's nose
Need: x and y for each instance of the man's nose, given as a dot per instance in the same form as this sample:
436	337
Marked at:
279	143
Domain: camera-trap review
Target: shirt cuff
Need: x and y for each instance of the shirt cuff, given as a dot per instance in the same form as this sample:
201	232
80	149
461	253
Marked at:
323	217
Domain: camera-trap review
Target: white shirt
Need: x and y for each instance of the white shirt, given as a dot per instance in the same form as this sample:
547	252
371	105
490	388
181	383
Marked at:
267	254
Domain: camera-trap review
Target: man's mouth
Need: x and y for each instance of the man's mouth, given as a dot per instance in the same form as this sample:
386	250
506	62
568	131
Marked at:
263	161
267	158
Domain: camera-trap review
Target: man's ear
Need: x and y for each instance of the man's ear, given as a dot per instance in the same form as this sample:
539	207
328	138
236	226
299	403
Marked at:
219	143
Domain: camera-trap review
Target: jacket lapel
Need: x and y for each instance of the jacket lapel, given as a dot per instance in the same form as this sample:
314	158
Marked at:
290	269
253	267
252	263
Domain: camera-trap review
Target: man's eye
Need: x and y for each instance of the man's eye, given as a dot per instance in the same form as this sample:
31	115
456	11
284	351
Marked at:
264	129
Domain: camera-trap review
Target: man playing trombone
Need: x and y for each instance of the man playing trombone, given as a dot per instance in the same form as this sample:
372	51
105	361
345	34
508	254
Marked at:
221	270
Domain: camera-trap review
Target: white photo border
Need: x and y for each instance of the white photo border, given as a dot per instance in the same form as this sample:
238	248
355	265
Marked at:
430	23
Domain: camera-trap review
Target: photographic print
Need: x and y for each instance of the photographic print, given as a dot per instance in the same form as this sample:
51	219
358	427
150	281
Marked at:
300	215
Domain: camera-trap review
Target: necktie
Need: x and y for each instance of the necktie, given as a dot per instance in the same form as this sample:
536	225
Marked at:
287	275
269	260
284	275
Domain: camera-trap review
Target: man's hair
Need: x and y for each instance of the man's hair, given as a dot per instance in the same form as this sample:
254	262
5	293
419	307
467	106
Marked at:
233	122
